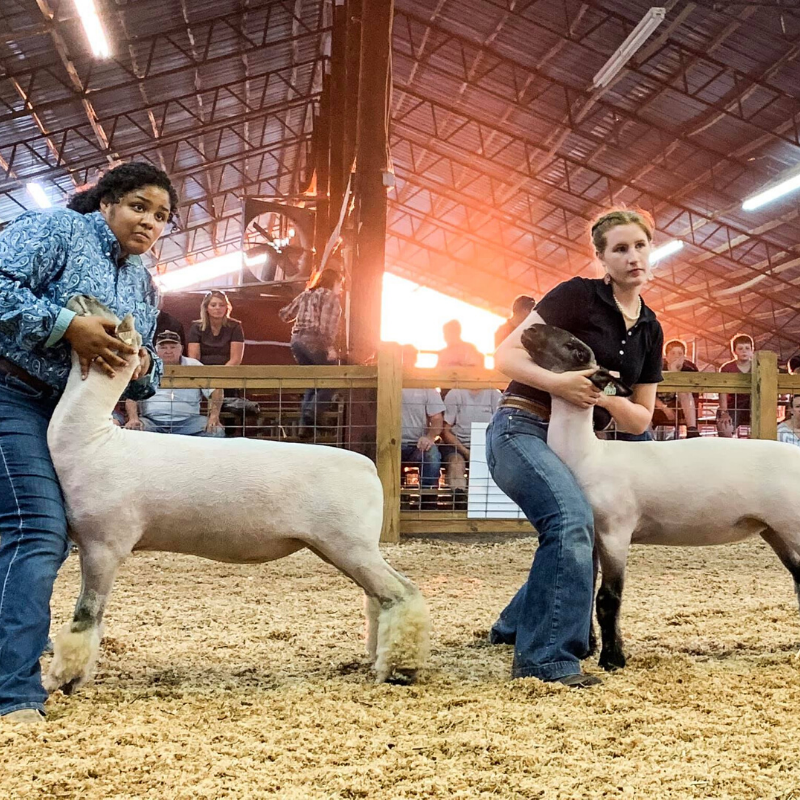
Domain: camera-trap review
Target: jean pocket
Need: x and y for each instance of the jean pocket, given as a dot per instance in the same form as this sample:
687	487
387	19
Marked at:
16	386
527	425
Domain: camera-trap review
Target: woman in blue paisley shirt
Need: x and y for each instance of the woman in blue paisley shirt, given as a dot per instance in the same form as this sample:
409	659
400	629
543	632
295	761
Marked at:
92	247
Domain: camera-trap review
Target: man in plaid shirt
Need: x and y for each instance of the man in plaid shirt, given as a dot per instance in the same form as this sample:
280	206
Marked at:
316	313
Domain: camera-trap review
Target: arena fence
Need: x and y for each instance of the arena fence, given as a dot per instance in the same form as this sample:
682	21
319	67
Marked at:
359	408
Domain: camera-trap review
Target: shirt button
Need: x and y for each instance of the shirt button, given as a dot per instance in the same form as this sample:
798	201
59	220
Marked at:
623	341
622	352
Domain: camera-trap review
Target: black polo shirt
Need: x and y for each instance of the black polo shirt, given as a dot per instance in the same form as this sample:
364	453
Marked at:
586	308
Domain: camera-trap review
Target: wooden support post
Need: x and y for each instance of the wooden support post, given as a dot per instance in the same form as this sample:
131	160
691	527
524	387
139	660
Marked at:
764	396
338	179
371	166
322	156
389	433
352	75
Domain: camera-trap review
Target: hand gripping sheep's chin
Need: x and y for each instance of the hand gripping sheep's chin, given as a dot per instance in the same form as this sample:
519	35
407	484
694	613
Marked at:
624	484
232	500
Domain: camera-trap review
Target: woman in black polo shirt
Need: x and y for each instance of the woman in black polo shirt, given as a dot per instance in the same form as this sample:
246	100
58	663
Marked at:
548	620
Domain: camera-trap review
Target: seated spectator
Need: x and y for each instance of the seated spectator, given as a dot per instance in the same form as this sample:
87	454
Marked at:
681	408
793	364
167	322
458	353
176	410
734	409
423	413
789	429
522	306
216	338
462	408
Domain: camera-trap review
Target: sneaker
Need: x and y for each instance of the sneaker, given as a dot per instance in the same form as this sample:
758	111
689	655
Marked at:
24	716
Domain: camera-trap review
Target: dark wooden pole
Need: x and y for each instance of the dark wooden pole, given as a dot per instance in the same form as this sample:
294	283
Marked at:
322	142
352	77
338	86
371	150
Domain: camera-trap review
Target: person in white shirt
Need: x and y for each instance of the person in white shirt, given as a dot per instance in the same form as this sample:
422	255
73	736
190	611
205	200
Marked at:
462	408
422	414
176	410
789	429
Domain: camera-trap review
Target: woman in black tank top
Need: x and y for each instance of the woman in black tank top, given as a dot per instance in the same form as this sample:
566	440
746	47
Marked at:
548	620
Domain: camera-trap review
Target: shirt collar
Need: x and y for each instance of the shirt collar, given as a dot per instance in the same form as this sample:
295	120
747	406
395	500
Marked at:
606	294
108	241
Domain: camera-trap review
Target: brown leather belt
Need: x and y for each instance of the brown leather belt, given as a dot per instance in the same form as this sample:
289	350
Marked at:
524	404
10	368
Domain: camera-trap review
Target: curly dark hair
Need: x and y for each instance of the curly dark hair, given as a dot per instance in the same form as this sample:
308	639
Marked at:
118	182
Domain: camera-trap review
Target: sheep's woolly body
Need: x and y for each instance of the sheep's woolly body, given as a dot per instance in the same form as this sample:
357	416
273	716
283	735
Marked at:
234	500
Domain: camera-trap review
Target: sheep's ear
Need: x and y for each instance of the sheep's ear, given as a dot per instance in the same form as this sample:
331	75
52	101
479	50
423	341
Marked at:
80	304
126	330
603	378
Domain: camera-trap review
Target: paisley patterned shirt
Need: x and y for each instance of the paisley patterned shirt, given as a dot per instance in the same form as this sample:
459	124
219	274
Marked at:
46	257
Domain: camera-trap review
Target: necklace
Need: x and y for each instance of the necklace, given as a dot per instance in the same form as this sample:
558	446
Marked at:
624	312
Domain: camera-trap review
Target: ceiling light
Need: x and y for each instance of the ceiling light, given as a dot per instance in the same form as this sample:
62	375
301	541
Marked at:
93	27
201	272
665	250
767	196
648	23
38	194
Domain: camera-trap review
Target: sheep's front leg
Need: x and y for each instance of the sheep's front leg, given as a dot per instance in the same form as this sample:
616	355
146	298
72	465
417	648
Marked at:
77	645
613	555
592	634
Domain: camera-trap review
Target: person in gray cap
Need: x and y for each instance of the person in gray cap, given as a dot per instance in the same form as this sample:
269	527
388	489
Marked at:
176	410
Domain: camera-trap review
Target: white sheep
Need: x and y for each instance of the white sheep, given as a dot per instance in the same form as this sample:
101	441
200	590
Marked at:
728	489
232	500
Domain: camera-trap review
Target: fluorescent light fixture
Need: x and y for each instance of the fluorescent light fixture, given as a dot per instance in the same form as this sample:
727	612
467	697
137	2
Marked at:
665	250
201	272
648	23
93	27
38	194
767	196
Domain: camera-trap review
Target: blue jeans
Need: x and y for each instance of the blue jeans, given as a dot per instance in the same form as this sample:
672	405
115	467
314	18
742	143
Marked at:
33	542
429	463
312	352
193	426
549	618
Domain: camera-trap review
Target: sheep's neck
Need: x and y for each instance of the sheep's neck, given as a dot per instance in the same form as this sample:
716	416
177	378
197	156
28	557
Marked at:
88	404
570	434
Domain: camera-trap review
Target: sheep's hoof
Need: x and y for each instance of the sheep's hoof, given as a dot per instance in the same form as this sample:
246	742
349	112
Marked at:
402	677
611	661
70	686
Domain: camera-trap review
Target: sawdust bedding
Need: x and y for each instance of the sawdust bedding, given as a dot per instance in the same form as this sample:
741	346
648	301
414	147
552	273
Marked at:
221	681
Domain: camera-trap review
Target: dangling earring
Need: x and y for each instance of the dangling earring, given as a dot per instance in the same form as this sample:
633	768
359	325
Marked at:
606	279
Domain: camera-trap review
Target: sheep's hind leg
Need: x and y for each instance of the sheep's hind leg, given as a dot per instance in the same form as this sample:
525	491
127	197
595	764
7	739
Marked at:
613	557
787	548
397	616
77	645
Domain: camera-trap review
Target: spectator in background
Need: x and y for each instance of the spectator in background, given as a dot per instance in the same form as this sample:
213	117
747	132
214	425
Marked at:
462	408
789	429
458	353
316	313
216	338
423	414
168	322
176	410
793	364
522	306
672	409
734	409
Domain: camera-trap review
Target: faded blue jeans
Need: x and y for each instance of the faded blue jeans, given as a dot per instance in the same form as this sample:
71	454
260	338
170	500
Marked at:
33	542
308	351
549	618
429	463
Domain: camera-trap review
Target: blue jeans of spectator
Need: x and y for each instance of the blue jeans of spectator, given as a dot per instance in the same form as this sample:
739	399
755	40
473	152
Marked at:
33	542
549	618
429	463
309	351
192	426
